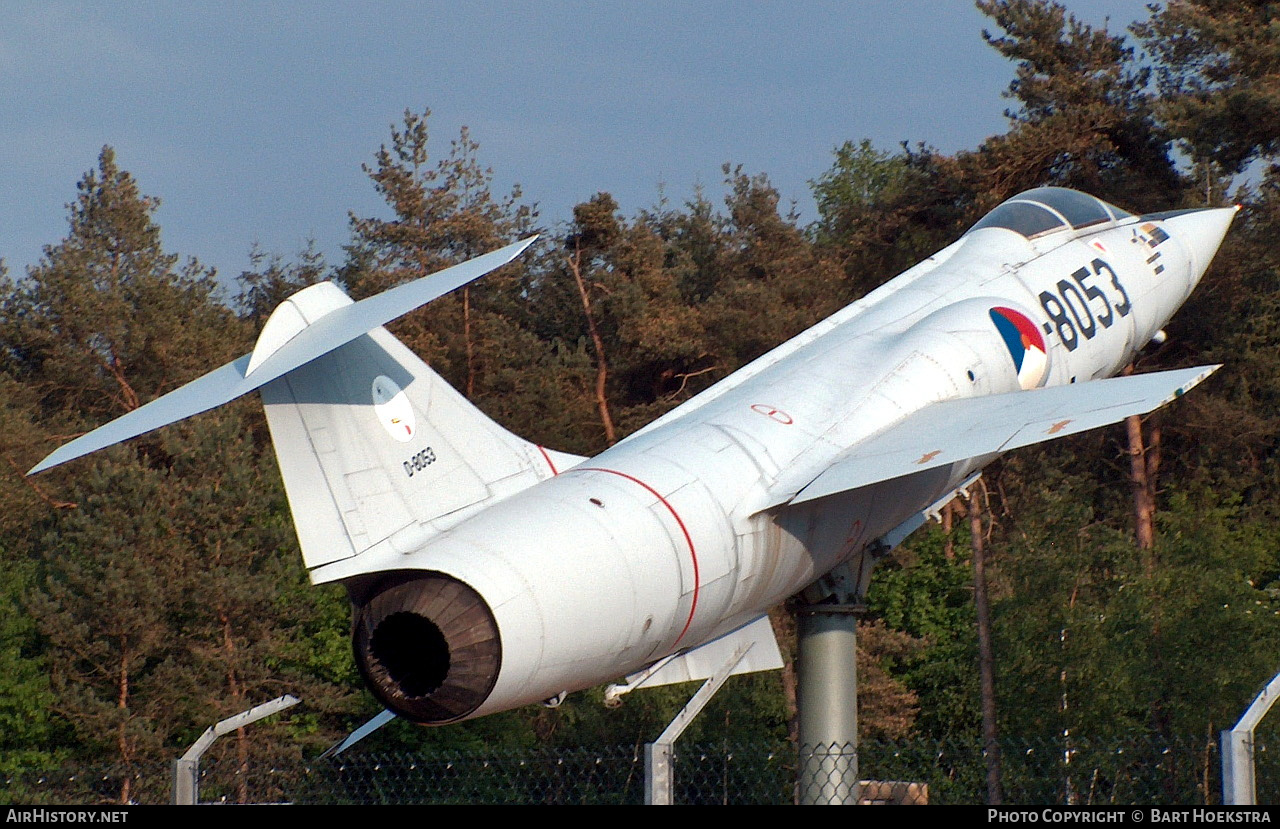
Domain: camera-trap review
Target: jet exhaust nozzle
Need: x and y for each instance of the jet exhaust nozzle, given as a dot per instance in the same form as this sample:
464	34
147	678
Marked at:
428	646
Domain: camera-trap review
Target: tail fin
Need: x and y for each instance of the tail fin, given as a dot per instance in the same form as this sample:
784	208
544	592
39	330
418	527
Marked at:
374	447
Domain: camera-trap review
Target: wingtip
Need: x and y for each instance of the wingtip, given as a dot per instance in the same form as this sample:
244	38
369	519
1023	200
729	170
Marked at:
509	252
1208	370
48	463
1201	375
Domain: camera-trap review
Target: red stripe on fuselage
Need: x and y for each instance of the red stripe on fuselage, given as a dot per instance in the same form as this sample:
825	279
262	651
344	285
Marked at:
554	471
687	538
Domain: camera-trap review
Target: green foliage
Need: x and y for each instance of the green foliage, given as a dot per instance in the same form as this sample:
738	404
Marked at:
104	613
861	176
273	280
31	735
444	213
151	579
766	270
924	592
1106	640
1085	118
107	318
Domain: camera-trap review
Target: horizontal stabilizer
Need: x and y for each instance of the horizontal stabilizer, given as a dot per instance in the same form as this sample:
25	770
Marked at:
703	661
334	329
359	734
956	430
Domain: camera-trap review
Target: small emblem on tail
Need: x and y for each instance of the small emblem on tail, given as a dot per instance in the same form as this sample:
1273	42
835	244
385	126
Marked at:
393	409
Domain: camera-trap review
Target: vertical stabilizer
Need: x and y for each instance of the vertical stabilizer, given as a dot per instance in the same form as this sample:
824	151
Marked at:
375	448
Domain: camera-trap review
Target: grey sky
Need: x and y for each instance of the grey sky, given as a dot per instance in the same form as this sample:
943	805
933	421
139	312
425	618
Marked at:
250	121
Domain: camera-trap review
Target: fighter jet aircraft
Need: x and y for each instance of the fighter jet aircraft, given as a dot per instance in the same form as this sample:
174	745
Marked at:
487	572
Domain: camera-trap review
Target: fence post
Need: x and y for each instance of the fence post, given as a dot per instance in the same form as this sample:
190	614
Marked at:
186	769
185	782
659	782
1237	749
1238	788
659	785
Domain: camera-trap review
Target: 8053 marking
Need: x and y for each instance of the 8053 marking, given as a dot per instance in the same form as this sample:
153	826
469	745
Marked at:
1070	309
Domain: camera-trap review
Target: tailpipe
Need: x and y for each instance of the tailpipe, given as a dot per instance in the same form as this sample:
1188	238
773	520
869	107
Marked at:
428	647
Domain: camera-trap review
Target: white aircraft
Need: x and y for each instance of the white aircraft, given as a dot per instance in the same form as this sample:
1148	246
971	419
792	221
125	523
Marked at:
487	572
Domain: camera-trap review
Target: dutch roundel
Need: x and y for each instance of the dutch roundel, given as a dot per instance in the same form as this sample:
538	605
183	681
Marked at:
1026	346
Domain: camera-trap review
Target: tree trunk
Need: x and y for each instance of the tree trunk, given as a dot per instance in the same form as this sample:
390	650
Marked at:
948	543
1143	465
122	702
597	342
1143	506
783	625
986	657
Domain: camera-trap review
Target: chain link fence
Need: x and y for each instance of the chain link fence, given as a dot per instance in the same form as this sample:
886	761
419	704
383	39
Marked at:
1078	772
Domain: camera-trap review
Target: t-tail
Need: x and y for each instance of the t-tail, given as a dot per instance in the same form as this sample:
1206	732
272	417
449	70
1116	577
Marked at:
355	416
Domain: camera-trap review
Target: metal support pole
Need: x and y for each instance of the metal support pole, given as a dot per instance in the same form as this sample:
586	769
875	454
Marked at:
1237	749
827	699
827	665
1238	787
659	787
186	769
658	777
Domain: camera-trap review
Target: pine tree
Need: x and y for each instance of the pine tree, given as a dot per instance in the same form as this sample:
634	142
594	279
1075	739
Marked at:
107	319
1084	117
444	214
272	280
158	570
1219	66
772	283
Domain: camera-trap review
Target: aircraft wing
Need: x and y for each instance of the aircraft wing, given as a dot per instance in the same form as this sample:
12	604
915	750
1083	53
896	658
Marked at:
956	430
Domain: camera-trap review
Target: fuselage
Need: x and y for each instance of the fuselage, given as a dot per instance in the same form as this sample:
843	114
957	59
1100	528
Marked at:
672	537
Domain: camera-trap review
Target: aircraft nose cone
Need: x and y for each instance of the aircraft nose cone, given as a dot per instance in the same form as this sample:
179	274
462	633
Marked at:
1201	232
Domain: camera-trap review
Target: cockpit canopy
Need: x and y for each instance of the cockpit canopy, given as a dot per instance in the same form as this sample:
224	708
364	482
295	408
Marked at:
1047	210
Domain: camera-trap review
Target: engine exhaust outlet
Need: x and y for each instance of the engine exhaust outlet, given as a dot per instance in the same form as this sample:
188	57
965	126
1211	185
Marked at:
428	646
